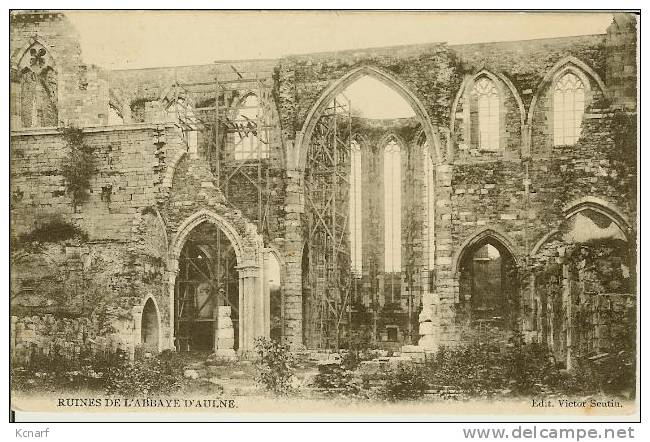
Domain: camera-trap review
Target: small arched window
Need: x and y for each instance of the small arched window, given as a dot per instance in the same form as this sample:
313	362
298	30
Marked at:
36	94
247	128
392	207
484	119
568	108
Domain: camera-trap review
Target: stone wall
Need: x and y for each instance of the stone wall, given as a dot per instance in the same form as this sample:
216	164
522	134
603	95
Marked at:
129	164
82	92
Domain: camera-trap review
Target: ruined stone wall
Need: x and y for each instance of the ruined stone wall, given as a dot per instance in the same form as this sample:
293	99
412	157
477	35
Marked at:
129	170
519	190
82	90
121	258
518	193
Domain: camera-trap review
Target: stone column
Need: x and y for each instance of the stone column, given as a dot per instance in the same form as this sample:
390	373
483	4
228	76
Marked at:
446	277
266	292
294	207
251	308
12	341
224	339
167	329
429	322
567	304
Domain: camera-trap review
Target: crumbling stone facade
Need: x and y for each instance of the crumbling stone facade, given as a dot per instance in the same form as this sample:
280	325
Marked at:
153	183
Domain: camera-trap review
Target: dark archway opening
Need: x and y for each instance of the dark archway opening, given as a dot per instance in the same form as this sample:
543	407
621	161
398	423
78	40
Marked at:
149	328
206	296
488	287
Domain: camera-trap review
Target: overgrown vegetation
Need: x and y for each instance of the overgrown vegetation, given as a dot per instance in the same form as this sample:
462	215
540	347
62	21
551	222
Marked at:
160	374
51	230
404	382
275	365
78	165
340	378
112	373
486	366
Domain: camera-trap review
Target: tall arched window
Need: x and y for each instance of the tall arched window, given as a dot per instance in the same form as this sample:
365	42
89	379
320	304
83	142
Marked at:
355	209
248	144
568	108
430	208
36	103
392	207
485	115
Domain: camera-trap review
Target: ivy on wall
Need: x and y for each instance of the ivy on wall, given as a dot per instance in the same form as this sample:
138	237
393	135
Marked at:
78	165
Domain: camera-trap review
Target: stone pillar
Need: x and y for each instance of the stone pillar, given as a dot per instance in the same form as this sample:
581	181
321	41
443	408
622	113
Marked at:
252	306
530	319
429	322
446	276
224	339
294	207
12	341
266	290
526	140
567	304
167	329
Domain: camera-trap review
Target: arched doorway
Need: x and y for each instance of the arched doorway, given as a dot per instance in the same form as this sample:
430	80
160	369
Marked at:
488	285
150	327
206	294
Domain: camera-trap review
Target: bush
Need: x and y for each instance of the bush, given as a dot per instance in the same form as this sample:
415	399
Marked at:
476	369
54	372
337	378
50	230
405	382
530	368
275	365
112	374
612	374
160	374
488	367
78	167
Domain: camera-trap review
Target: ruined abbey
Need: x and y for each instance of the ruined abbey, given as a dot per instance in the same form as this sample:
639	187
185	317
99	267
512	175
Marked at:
201	207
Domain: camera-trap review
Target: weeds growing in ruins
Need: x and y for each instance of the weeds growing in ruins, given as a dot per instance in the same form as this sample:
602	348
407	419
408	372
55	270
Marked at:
111	373
50	230
159	374
404	382
275	365
78	165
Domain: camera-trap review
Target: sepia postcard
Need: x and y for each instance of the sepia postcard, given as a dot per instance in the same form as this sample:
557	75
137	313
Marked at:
393	215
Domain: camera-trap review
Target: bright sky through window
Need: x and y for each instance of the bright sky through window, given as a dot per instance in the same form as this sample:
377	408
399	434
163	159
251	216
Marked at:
355	209
487	98
392	207
568	107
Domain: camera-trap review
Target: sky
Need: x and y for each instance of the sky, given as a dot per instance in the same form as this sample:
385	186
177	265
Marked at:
142	39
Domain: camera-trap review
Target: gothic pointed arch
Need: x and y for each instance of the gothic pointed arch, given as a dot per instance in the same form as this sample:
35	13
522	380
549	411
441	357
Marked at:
304	136
34	87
